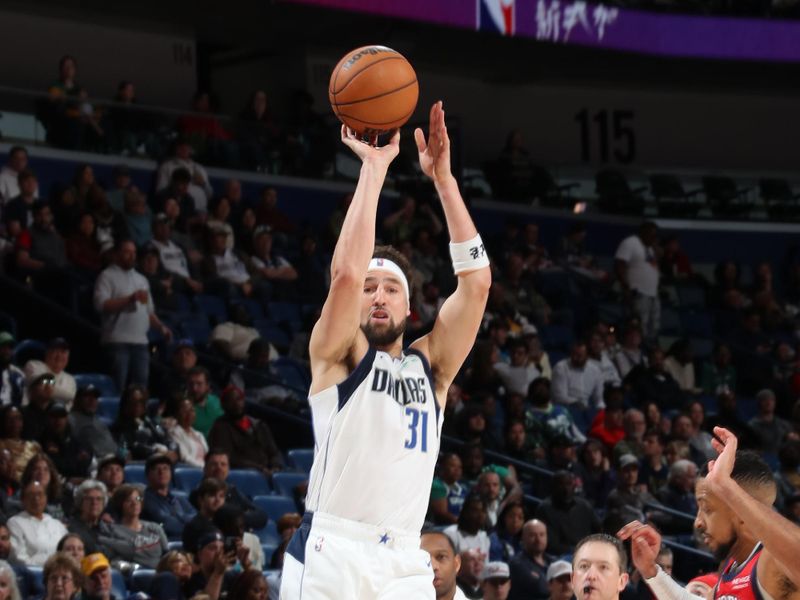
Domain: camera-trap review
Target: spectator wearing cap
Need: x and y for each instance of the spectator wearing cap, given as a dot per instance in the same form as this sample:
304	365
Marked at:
495	581
56	359
247	441
469	573
576	382
87	427
122	297
197	184
120	183
40	396
192	445
71	456
518	375
160	505
97	581
218	467
528	567
111	472
569	519
559	580
130	538
271	267
12	378
607	425
142	435
206	404
628	500
212	575
172	256
248	547
209	498
34	533
91	498
446	563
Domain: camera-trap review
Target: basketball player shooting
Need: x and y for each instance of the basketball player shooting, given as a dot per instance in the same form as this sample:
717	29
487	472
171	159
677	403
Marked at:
377	409
760	548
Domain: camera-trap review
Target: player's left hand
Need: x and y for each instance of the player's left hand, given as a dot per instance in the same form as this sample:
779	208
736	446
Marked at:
434	156
719	469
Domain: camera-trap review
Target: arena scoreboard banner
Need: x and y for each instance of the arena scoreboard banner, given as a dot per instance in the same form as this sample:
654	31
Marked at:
600	25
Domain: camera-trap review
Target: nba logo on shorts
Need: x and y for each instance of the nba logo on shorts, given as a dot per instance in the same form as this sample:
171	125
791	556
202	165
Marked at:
497	16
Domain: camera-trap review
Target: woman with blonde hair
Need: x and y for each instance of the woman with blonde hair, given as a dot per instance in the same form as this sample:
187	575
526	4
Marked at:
8	583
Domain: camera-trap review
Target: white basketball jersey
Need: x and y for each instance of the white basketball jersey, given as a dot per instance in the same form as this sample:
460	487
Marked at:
377	439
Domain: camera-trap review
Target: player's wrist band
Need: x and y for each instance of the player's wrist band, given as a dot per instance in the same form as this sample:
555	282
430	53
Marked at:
666	588
469	255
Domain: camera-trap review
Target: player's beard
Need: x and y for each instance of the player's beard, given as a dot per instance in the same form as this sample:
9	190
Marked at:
384	336
723	551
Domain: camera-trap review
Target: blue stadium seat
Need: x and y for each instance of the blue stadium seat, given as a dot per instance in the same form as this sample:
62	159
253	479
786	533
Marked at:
180	494
38	575
300	459
211	306
701	348
698	324
269	533
118	587
670	322
175	546
272	332
249	481
269	550
28	350
134	473
195	327
292	373
556	337
108	407
141	579
101	381
286	312
691	296
254	308
284	483
187	478
275	506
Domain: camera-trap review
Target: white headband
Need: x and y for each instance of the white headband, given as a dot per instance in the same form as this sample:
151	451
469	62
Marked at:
384	264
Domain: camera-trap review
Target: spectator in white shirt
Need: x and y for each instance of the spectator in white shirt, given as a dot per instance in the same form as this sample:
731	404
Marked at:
224	271
172	256
517	376
199	189
9	183
630	354
636	267
271	267
192	444
576	381
56	358
599	358
470	533
34	534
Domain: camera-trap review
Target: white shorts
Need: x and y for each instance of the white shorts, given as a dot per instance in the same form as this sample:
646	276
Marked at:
329	558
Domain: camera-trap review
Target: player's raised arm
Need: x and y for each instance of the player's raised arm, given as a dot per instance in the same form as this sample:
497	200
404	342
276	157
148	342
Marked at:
335	333
456	326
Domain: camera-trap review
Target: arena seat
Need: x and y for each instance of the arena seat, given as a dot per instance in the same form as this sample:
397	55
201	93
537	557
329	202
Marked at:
101	381
300	459
269	533
697	324
292	373
108	407
672	199
269	550
670	322
141	579
118	587
176	545
28	350
211	306
275	506
187	478
134	473
284	483
195	327
272	332
250	482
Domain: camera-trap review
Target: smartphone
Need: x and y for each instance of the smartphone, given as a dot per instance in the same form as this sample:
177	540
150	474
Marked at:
230	544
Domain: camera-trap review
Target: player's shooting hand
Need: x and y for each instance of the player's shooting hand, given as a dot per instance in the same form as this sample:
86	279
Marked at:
434	155
645	545
382	156
719	469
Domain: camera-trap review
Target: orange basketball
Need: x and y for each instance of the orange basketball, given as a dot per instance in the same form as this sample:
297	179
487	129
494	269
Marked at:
373	89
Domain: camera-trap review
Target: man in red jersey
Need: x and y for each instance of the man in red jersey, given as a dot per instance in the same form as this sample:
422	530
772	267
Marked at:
760	548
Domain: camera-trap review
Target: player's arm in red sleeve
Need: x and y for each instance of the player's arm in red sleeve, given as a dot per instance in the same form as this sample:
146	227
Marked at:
781	537
337	331
456	326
